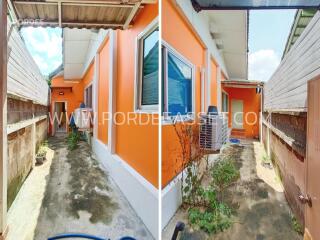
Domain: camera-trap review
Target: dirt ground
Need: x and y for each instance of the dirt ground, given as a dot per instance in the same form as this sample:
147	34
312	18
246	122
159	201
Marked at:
71	192
261	210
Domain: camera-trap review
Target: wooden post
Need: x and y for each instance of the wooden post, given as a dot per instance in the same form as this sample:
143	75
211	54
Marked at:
3	117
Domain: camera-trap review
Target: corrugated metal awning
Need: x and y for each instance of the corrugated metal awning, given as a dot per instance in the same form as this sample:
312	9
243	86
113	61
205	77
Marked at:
199	5
113	14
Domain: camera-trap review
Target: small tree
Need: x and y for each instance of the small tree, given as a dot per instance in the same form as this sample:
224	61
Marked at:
189	159
205	210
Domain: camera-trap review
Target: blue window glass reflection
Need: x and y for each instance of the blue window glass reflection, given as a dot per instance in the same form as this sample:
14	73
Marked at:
150	84
179	86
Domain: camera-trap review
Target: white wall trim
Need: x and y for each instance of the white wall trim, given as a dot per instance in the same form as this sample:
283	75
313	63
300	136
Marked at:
112	89
95	94
203	79
171	199
219	95
208	61
142	195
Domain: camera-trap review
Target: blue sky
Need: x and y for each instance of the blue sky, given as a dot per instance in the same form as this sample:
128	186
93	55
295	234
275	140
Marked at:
268	33
45	45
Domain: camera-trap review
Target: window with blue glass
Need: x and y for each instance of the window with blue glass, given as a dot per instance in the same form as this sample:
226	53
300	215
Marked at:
148	72
178	85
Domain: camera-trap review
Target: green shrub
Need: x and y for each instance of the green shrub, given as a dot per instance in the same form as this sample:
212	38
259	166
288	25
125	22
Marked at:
224	173
208	212
216	217
73	139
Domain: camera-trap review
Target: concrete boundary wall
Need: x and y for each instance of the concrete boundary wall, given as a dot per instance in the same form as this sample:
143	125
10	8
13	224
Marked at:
27	129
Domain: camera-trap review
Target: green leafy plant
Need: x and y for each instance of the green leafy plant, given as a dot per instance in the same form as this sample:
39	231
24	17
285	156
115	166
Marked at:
41	152
73	139
206	210
191	185
43	148
296	225
266	159
211	216
224	173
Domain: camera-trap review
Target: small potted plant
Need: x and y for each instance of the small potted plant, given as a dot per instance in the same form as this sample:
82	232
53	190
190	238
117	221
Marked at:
41	156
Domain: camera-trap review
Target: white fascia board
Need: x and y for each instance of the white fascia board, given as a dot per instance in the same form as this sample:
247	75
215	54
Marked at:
200	24
93	48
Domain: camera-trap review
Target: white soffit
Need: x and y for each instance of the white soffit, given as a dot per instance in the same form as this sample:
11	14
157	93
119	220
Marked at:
228	28
76	46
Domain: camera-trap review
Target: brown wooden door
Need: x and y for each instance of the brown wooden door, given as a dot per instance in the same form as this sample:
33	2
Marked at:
313	160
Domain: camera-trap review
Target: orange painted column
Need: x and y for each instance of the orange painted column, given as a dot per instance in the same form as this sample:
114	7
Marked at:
103	92
214	85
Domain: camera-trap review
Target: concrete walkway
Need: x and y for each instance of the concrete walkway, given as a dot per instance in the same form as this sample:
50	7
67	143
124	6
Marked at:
71	192
262	212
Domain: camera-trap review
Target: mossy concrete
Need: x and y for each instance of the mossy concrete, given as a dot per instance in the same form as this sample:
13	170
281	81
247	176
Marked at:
76	195
259	205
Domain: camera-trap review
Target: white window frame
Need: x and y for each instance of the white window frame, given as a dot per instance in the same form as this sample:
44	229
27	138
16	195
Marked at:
138	107
222	100
167	48
85	96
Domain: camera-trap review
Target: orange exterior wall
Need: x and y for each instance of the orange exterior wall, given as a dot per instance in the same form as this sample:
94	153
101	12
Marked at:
73	97
177	33
136	144
103	92
88	77
251	103
214	86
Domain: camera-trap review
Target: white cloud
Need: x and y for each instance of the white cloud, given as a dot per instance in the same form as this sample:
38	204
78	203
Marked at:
41	63
45	45
55	64
42	41
262	64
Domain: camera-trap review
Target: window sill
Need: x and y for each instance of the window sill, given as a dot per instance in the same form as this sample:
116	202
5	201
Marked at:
150	109
142	111
174	119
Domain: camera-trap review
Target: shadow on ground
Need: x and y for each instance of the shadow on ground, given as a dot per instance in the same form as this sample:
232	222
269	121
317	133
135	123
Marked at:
261	211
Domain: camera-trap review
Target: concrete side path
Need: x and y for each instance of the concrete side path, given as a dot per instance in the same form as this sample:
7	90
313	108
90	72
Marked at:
71	192
262	212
